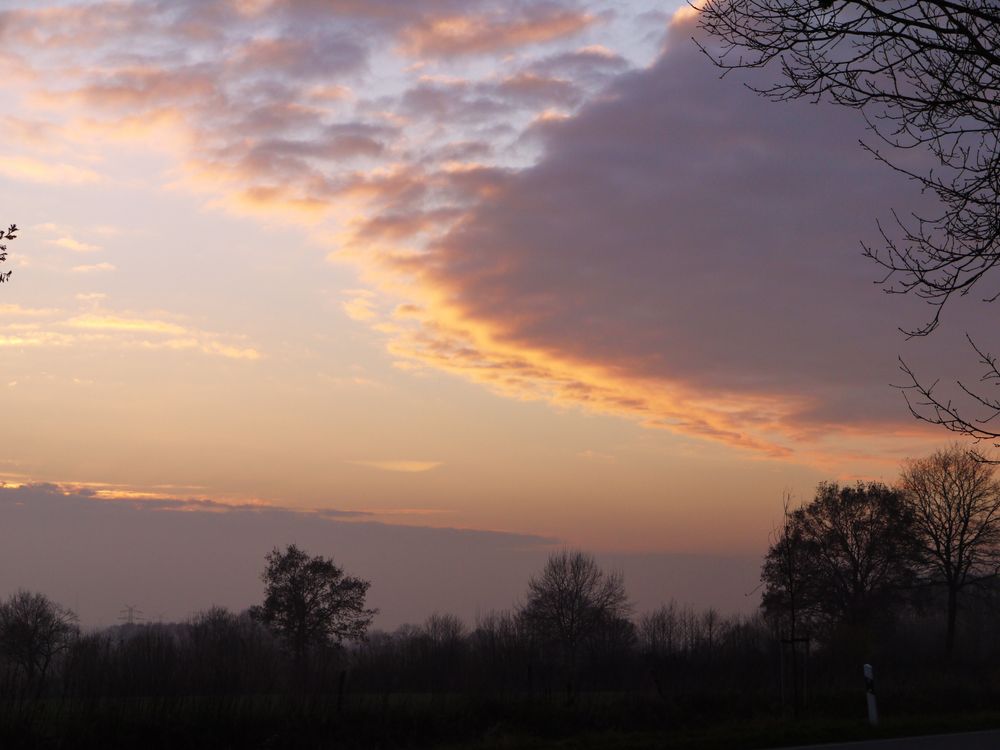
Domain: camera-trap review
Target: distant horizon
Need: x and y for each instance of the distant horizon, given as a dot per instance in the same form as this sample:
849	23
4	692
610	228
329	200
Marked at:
97	556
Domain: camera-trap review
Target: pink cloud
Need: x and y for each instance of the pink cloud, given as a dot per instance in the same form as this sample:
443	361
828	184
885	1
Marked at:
468	34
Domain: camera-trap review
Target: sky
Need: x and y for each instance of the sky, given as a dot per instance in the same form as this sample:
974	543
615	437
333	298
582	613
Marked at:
434	285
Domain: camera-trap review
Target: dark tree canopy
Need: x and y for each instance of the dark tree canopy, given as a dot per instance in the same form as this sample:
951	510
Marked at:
5	236
790	592
34	630
843	559
309	601
925	74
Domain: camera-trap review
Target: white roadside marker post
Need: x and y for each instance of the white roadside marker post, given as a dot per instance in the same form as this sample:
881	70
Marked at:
870	689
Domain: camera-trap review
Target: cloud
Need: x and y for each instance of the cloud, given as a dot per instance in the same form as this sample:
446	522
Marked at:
405	467
94	268
8	311
359	304
444	36
114	323
166	335
651	243
71	243
102	328
684	253
31	169
594	64
312	56
144	88
538	91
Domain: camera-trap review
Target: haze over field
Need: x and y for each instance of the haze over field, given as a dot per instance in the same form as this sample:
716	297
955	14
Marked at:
529	274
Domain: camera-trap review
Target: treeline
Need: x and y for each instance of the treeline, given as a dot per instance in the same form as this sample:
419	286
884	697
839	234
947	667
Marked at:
678	664
575	633
218	652
903	577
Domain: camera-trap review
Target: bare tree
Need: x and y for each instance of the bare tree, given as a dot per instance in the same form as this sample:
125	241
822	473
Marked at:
309	601
9	234
659	631
34	630
790	599
925	74
445	630
569	601
955	503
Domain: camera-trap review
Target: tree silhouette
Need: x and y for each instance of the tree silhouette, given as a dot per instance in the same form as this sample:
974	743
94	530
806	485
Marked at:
925	74
33	631
955	502
9	234
568	603
842	559
309	601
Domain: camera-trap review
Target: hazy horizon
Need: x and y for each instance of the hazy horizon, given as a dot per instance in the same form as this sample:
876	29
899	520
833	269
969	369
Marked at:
166	558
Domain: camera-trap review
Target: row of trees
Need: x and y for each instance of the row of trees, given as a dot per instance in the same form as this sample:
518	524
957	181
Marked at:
310	613
856	555
860	569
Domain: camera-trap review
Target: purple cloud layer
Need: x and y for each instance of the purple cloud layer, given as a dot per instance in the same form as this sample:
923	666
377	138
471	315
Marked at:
682	231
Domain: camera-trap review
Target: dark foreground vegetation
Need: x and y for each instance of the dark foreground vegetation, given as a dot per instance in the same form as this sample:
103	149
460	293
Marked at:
903	577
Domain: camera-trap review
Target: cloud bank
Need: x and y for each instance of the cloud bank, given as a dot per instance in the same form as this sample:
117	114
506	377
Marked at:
529	210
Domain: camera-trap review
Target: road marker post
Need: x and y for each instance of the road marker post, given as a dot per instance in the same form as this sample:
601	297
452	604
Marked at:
870	690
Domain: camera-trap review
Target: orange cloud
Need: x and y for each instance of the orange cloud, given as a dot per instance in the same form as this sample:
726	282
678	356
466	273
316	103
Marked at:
113	330
149	88
71	243
53	173
480	34
446	339
359	304
406	467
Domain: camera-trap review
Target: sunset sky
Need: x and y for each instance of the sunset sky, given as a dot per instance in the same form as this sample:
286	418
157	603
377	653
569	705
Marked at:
530	270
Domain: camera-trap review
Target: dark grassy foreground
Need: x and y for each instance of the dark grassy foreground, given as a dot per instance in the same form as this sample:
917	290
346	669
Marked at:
613	721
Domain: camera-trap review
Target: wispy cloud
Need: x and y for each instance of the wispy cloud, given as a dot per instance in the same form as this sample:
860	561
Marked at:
470	34
94	268
96	322
71	243
8	311
104	328
54	173
406	467
359	305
